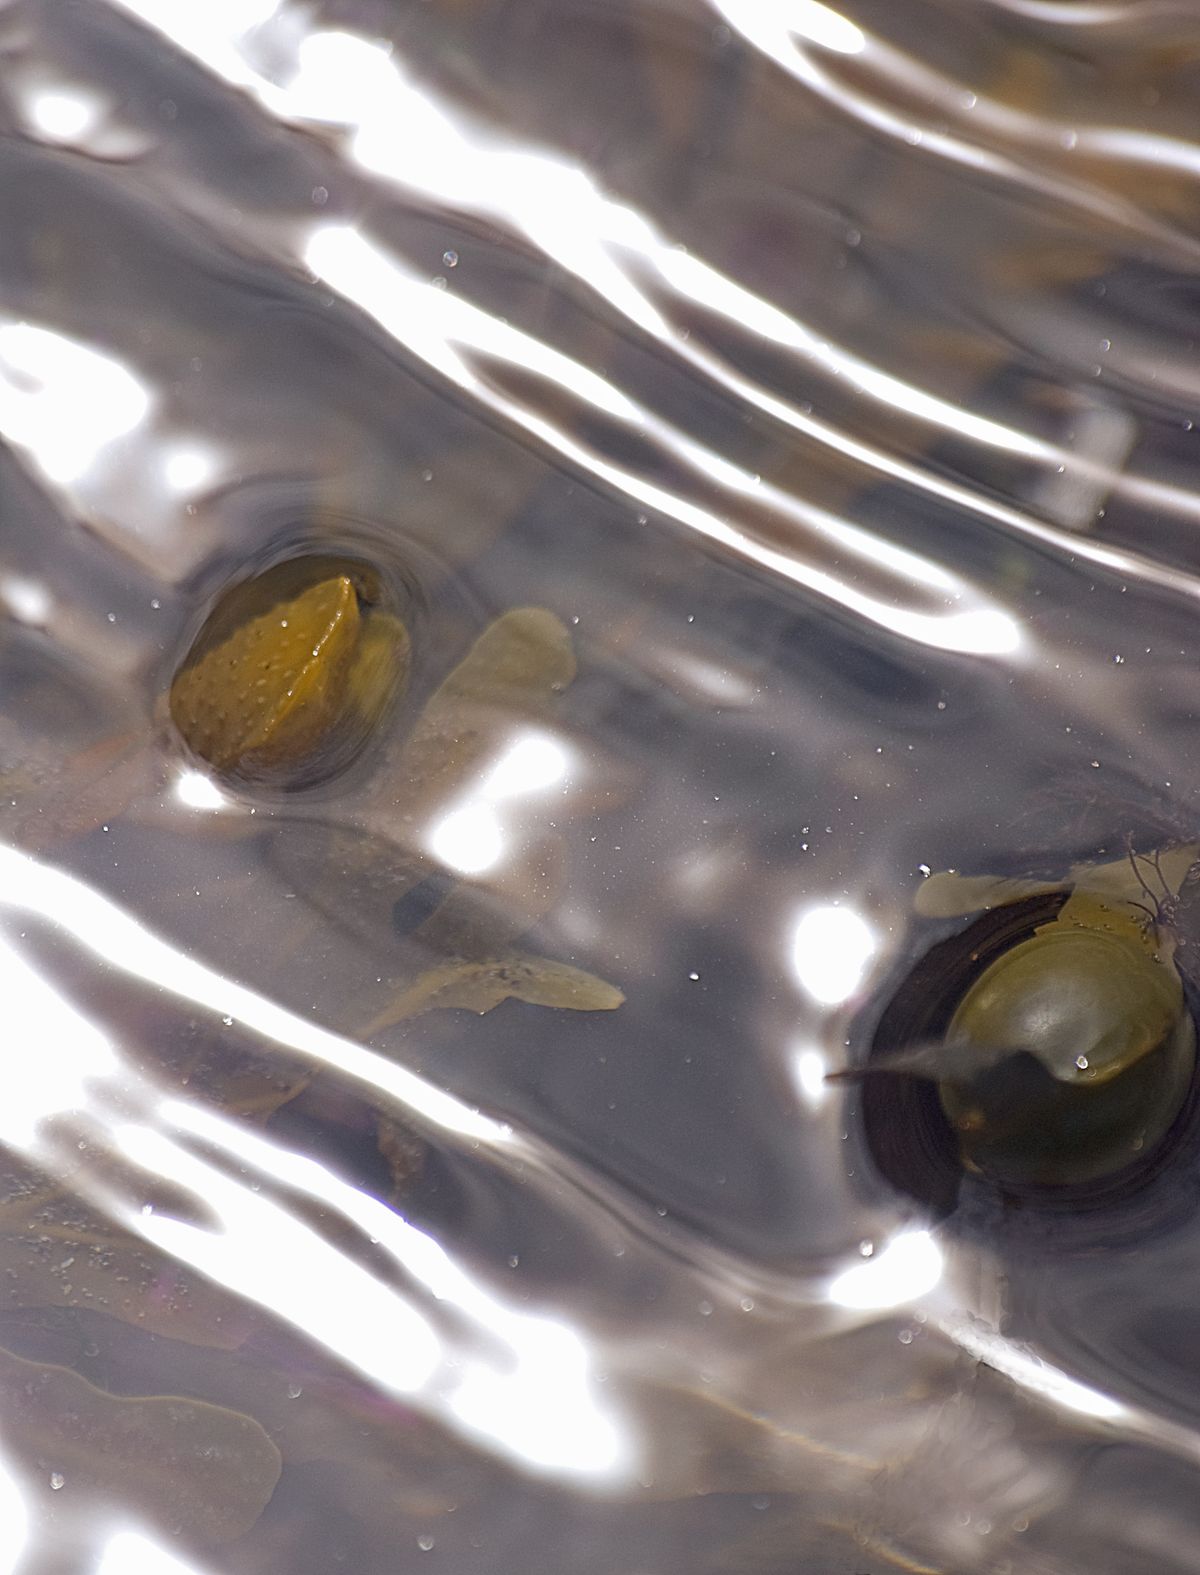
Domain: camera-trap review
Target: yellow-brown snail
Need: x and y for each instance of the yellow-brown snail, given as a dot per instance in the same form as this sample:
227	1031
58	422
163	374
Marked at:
290	673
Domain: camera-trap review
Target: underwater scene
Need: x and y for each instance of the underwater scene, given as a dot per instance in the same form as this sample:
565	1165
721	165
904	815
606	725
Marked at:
599	787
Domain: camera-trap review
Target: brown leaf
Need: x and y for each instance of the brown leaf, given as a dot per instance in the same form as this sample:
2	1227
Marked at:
57	1252
515	669
267	694
201	1471
403	1151
479	986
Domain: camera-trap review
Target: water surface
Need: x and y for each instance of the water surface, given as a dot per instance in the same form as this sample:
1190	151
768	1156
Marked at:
830	378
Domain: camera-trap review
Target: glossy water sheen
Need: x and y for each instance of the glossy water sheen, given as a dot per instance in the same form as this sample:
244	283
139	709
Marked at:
831	376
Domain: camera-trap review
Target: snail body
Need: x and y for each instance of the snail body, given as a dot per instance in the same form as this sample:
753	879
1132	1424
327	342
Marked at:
1066	1048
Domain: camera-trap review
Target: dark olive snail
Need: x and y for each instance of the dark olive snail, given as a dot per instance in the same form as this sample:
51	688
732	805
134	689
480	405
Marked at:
1065	1050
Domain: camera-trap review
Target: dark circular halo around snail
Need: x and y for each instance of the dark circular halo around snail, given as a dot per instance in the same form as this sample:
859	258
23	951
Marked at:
1047	1048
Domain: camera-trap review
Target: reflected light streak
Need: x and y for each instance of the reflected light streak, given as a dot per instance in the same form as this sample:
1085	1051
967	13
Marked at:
1101	477
62	401
61	1051
395	128
949	96
531	763
531	1395
352	82
697	281
400	132
431	321
470	838
821	25
712	290
194	790
832	948
108	932
539	1407
14	1521
759	22
908	1268
535	192
209	32
709	680
187	467
63	115
133	1553
425	319
263	1253
560	208
1075	13
809	1072
1030	1372
27	600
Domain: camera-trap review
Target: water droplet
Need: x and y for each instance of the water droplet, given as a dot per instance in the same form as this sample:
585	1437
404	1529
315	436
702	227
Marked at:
57	1480
425	1543
450	259
1081	1061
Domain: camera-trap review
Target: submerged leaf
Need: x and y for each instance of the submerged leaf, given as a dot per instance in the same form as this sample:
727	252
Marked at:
1138	881
515	669
948	895
379	670
200	1471
57	1252
479	986
403	1152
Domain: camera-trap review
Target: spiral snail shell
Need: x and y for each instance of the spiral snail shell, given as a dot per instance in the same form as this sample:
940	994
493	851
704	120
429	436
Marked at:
1052	1039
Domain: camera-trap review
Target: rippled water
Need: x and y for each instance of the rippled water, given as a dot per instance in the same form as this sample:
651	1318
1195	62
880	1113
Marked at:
830	377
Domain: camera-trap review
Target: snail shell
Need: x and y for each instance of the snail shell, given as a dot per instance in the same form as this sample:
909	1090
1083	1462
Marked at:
1061	1059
